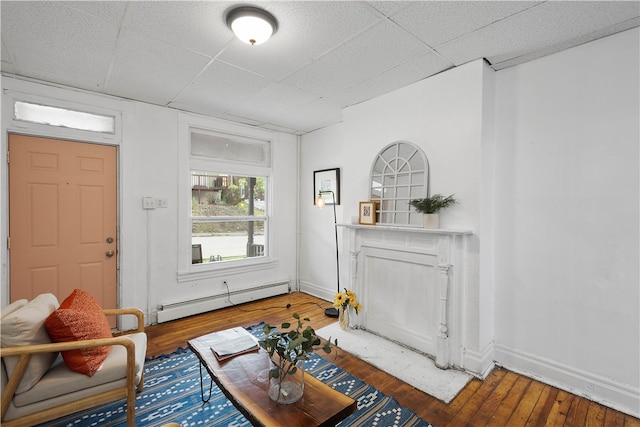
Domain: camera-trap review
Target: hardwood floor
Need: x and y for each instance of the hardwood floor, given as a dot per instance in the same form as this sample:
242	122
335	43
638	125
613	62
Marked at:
504	398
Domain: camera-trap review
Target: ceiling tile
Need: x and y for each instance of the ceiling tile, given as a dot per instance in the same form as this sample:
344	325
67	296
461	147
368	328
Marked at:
437	22
315	115
166	69
198	25
273	102
7	59
112	12
219	88
388	8
544	25
416	69
379	48
80	51
548	50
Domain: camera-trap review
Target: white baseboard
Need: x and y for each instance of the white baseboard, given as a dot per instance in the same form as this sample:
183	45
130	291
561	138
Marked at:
613	394
177	310
316	291
479	364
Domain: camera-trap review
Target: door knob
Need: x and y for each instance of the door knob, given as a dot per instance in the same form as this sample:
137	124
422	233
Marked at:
110	253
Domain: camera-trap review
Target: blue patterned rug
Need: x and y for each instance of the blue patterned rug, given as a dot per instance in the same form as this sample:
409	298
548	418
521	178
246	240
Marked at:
172	394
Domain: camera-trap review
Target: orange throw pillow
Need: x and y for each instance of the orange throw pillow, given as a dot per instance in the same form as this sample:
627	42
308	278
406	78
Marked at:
80	317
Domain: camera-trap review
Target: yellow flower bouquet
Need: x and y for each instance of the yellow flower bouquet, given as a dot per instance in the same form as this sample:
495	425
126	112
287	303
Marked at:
345	300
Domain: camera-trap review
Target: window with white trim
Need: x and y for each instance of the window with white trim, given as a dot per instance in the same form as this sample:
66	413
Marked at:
63	117
399	174
229	194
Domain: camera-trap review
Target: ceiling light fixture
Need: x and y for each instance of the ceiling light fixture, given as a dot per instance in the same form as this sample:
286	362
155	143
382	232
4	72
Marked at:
251	24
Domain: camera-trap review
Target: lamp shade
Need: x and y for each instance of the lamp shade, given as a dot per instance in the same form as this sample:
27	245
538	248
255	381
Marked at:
251	24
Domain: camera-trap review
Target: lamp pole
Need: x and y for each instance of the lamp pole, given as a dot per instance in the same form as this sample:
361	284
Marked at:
331	312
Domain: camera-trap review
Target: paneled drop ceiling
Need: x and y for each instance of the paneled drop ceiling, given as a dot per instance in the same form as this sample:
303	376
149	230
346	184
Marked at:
326	55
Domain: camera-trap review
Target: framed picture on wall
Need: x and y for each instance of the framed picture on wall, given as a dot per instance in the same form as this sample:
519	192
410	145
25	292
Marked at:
367	213
327	183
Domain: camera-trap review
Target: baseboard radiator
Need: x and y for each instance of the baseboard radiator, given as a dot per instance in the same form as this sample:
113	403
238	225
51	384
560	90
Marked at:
177	310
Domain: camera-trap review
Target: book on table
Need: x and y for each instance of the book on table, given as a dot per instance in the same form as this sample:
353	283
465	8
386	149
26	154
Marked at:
232	342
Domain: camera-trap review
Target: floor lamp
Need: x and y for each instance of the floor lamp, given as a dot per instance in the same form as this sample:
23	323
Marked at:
320	204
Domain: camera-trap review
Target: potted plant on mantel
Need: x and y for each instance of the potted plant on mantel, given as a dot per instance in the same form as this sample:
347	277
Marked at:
288	350
430	206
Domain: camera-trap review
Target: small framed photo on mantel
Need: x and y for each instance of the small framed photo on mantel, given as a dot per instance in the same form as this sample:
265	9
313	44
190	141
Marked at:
367	213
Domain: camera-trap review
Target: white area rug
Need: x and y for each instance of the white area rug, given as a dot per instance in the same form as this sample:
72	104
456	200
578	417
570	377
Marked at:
409	366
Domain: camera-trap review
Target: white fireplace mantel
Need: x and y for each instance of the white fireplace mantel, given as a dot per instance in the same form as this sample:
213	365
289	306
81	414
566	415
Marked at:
410	282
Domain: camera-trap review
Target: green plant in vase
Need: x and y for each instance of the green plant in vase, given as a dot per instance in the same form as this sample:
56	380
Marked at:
288	350
430	206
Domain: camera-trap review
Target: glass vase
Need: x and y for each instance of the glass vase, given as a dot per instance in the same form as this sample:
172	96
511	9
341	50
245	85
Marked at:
343	318
288	387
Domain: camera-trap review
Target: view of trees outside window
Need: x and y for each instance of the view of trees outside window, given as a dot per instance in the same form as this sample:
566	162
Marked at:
228	217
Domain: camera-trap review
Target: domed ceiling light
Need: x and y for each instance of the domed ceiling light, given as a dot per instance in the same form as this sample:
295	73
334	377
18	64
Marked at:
251	24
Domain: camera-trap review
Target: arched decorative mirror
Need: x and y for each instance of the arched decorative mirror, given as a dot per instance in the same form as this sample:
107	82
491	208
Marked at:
400	173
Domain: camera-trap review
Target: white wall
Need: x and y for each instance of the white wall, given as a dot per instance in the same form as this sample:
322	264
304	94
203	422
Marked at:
150	144
567	285
323	149
444	116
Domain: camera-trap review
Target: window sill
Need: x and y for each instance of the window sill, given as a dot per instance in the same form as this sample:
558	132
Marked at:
218	269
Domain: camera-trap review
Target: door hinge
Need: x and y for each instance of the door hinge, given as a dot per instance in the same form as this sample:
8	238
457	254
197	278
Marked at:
9	242
8	156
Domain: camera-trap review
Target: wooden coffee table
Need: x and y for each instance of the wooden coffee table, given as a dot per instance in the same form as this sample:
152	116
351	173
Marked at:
244	379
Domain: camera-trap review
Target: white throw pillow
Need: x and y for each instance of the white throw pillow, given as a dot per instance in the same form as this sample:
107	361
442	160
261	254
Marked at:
25	326
12	307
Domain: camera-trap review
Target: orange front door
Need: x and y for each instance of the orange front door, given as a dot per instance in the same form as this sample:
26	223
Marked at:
62	218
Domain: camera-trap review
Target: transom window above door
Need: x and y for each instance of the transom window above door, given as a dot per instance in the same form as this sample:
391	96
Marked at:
399	173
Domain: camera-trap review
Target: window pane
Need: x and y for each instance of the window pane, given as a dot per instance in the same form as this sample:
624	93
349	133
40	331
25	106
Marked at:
406	151
389	180
228	241
402	192
225	195
389	193
417	178
230	147
403	166
379	166
416	192
403	179
228	216
55	116
401	218
386	218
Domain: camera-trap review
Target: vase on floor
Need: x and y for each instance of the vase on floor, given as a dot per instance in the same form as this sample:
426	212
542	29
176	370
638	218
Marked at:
343	318
288	387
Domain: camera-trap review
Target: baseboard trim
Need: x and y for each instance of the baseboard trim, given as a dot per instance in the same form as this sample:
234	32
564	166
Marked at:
316	291
479	364
613	394
176	310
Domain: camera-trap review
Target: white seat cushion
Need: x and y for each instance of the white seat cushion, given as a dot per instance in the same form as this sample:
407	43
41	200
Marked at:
60	380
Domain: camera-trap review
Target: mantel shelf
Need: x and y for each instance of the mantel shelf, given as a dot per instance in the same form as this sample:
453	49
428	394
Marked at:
406	229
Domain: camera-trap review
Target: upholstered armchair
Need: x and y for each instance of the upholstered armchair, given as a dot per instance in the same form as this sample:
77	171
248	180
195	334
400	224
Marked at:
43	380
